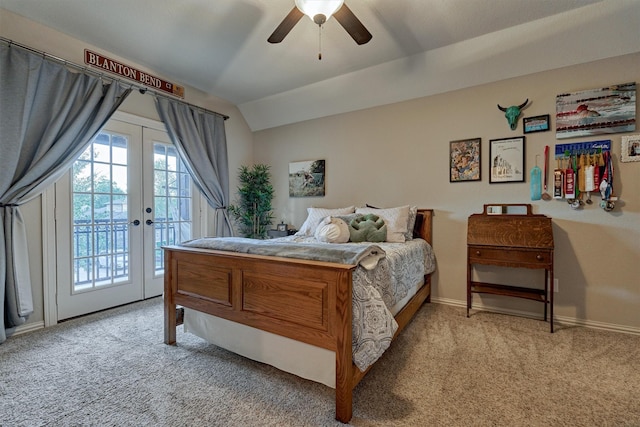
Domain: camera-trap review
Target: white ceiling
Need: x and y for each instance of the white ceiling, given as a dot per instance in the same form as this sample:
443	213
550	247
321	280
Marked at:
220	47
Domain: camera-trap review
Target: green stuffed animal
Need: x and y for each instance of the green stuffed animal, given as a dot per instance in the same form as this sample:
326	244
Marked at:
368	228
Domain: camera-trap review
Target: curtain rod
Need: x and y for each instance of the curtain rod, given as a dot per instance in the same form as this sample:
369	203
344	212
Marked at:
85	69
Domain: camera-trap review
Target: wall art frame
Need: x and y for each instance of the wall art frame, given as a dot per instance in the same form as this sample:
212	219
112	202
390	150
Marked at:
536	123
307	178
596	111
630	150
465	160
506	160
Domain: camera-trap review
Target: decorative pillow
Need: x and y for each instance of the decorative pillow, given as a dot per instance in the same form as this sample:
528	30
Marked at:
348	218
315	215
396	220
368	228
411	222
332	230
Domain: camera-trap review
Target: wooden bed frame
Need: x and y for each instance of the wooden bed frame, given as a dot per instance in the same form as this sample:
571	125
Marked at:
308	301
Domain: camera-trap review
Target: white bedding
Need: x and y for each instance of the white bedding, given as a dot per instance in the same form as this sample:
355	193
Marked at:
402	279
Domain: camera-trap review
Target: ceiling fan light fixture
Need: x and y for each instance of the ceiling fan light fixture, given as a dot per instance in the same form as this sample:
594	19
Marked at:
313	8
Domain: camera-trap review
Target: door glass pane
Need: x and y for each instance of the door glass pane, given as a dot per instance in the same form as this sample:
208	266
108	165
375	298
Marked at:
172	201
100	215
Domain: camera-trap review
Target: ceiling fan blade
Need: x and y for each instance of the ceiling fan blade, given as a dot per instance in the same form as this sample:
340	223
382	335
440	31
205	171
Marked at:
285	26
352	25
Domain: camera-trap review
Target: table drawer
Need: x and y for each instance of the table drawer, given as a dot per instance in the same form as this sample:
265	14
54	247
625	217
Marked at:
507	256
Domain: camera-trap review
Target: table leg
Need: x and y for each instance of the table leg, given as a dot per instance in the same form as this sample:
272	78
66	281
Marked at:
468	288
551	299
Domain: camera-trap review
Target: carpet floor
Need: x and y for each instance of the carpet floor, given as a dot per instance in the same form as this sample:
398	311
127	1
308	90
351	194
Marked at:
112	369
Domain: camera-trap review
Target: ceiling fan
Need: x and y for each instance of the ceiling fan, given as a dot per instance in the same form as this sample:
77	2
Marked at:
320	11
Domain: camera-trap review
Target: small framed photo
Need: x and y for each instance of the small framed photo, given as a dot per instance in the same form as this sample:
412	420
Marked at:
536	124
506	160
630	151
282	227
464	160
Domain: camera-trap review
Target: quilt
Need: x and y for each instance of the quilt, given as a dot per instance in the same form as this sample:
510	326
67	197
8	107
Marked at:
310	249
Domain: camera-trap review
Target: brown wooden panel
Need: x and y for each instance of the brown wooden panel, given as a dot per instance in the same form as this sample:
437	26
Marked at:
169	299
423	228
510	257
510	230
302	302
204	280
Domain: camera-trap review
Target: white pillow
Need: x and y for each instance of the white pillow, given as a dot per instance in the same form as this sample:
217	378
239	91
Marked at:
397	220
332	230
315	215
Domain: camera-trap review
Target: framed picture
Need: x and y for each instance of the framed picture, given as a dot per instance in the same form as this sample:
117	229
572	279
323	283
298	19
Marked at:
536	124
630	151
464	160
306	178
597	111
506	160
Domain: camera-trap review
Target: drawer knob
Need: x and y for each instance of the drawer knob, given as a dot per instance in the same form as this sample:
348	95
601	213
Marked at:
539	257
478	253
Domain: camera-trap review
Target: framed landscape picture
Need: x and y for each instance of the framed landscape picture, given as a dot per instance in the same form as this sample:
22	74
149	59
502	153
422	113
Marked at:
306	178
464	160
506	160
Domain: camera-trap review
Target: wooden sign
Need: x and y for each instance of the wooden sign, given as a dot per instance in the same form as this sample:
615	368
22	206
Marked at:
111	66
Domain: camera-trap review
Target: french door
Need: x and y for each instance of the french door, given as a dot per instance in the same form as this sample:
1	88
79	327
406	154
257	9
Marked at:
124	198
171	206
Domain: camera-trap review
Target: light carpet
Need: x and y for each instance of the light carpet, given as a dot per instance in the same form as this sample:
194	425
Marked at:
113	369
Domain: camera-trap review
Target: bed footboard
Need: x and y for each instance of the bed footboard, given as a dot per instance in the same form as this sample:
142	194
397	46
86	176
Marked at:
303	300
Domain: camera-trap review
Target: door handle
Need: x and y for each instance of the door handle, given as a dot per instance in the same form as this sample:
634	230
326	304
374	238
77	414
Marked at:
148	222
135	222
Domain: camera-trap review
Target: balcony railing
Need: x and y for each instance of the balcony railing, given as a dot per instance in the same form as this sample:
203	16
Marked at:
105	245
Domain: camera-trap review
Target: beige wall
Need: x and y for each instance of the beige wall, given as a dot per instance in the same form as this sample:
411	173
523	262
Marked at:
398	154
36	36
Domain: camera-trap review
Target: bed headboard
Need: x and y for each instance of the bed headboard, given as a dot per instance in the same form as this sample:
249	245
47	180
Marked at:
424	227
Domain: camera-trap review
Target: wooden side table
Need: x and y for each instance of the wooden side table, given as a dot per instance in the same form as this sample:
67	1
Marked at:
510	235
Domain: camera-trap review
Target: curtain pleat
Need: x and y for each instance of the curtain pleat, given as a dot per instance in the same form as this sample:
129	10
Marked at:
48	116
201	142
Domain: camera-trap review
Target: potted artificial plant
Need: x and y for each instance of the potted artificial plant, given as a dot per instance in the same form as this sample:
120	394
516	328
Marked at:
252	211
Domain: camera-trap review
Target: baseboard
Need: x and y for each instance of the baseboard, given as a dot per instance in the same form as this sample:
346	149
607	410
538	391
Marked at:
562	320
29	327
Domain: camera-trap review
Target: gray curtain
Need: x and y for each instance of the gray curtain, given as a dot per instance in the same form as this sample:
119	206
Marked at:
48	115
202	144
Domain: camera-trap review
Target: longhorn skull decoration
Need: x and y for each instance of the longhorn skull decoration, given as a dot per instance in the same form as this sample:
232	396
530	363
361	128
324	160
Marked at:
512	113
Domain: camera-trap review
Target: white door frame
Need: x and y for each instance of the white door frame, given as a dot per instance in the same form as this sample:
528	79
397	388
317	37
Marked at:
48	210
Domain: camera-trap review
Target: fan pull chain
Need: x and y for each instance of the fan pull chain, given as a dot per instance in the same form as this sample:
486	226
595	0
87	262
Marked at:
319	42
